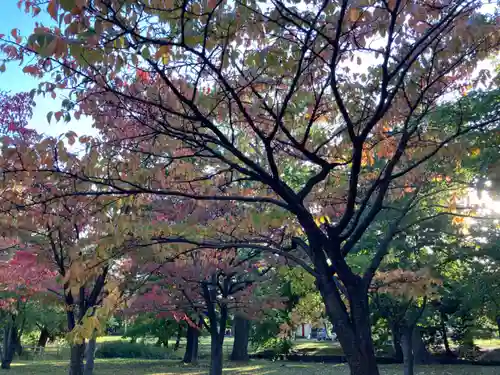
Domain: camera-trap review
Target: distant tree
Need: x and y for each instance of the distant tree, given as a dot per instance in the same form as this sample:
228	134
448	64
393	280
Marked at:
21	278
210	284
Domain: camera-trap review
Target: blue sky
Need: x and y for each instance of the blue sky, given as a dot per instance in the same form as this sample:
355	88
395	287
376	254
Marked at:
14	80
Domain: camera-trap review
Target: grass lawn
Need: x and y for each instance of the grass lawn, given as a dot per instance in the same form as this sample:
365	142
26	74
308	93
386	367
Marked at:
138	367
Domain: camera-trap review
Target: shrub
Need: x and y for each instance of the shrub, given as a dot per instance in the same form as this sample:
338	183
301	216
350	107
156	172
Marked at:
276	346
130	350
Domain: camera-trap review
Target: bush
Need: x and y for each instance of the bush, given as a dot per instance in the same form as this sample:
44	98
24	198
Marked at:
277	346
130	350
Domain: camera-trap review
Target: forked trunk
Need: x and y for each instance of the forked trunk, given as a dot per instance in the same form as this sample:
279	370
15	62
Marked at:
241	333
354	331
408	356
76	359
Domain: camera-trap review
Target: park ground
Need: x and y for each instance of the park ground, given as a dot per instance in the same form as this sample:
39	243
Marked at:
50	366
261	367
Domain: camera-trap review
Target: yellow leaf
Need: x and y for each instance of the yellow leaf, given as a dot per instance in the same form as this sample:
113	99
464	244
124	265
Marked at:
353	14
163	53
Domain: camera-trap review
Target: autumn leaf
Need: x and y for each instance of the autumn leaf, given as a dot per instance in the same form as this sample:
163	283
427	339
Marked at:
52	8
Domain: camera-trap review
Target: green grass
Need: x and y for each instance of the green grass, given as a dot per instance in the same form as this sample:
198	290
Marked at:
312	347
137	367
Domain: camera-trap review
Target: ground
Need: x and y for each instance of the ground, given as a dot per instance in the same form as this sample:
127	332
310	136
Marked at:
138	367
174	367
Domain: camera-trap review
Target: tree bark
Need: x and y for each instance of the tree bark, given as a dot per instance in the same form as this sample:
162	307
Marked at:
44	337
191	354
396	342
241	333
445	337
353	330
76	359
9	344
498	324
408	355
420	352
90	356
216	355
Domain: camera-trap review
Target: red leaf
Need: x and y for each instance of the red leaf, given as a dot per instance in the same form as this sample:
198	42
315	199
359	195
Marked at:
52	9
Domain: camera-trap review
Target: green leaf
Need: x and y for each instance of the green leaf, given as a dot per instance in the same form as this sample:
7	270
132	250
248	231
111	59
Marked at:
49	116
146	53
67	5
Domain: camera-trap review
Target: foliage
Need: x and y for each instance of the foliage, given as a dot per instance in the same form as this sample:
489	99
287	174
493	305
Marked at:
209	111
120	349
277	345
150	325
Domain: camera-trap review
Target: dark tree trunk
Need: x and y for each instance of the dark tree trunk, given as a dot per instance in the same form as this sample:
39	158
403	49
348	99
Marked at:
396	342
18	347
354	331
44	337
408	355
178	338
498	324
89	356
216	352
241	333
9	344
445	337
76	359
420	352
191	354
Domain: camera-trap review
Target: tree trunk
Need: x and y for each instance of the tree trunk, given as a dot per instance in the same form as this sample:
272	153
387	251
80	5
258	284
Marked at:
408	356
216	353
178	338
76	359
354	330
396	342
498	325
44	337
445	337
241	333
9	344
191	354
18	347
89	356
420	352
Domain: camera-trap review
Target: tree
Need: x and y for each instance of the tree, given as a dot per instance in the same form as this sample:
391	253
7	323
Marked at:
16	110
149	325
20	277
65	239
226	97
209	284
401	297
